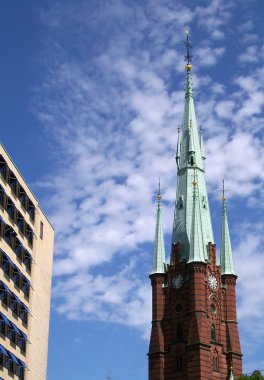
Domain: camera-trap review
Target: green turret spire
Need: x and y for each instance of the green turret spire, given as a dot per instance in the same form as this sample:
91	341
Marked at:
196	239
231	376
191	161
226	250
158	263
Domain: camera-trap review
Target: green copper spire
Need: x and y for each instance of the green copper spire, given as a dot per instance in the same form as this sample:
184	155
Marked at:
158	263
190	161
196	239
226	250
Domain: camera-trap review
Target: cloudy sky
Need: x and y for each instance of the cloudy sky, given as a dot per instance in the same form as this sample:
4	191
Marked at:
91	95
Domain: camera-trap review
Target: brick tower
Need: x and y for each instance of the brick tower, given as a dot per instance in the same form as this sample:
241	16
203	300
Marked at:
194	331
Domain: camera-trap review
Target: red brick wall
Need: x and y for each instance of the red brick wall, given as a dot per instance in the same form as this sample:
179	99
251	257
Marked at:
180	345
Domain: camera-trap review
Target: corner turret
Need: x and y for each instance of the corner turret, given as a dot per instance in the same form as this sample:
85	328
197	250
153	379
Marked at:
226	250
158	262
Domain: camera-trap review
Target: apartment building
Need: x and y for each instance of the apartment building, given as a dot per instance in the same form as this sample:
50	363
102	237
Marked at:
26	252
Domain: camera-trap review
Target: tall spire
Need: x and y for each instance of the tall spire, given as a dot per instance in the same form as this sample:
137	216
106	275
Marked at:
158	263
226	250
196	238
190	160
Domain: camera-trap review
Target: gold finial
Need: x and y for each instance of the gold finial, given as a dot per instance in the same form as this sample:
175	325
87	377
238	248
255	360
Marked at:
224	196
188	67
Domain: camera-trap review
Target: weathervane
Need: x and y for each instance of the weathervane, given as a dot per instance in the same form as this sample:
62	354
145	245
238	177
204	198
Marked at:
188	57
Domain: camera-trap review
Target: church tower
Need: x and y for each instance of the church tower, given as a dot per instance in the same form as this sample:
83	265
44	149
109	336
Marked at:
194	333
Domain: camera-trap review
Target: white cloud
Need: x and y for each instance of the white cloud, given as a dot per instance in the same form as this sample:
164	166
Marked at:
250	266
252	54
112	116
103	297
208	56
214	16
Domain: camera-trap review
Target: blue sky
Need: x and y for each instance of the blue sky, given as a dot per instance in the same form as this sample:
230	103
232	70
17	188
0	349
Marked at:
91	96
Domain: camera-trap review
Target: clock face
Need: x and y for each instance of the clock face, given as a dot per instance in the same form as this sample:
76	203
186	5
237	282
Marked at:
212	281
177	281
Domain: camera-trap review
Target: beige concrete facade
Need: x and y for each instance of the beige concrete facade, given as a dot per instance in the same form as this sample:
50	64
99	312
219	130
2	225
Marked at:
26	236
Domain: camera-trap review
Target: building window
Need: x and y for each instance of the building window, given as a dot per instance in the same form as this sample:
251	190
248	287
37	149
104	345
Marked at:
27	260
212	308
5	263
18	250
20	369
23	314
41	230
21	342
20	222
3	293
11	335
2	325
13	304
213	335
16	275
3	167
10	208
31	210
25	286
29	234
9	235
9	364
13	182
2	197
23	197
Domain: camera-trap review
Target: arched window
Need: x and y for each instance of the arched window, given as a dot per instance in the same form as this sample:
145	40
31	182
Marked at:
212	308
215	361
212	331
179	336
